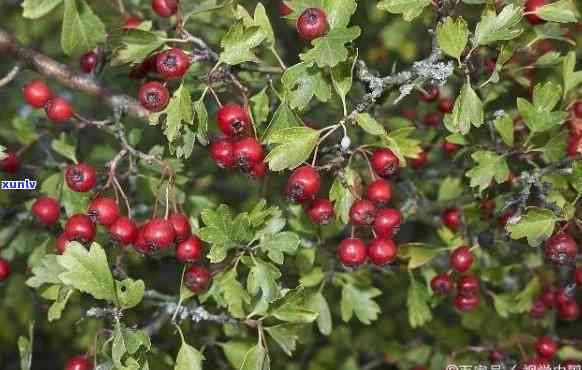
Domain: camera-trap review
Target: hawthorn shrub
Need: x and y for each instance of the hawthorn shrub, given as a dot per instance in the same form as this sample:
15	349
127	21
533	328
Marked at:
307	184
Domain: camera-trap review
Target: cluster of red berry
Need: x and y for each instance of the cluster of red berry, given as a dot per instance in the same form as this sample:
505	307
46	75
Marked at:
560	298
38	95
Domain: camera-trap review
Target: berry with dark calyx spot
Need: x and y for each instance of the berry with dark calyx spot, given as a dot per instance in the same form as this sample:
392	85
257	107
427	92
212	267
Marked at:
446	105
302	185
46	210
442	284
384	162
362	213
538	308
420	161
10	164
546	347
466	303
165	8
468	285
123	231
432	94
37	93
81	177
79	362
197	278
382	251
387	222
450	148
312	23
432	119
284	9
154	96
451	218
222	153
132	22
352	252
379	192
103	210
59	110
80	228
578	276
4	269
530	7
159	233
88	61
461	259
569	311
62	242
320	211
561	249
259	170
247	152
181	225
189	250
233	120
172	63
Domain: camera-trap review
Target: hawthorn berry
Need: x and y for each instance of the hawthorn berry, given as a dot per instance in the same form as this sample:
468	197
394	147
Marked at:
352	252
181	225
432	119
362	213
312	23
569	311
79	362
451	218
384	162
431	94
247	153
158	233
123	231
320	211
466	303
302	185
468	285
59	110
574	144
538	308
222	153
80	228
530	7
141	70
461	259
189	250
561	249
132	22
578	275
154	96
172	63
165	8
564	296
284	9
81	177
450	148
37	93
5	269
233	120
103	210
140	243
258	171
197	278
546	347
420	161
10	164
576	109
446	105
88	61
387	222
442	284
496	356
62	242
382	251
379	192
46	210
549	297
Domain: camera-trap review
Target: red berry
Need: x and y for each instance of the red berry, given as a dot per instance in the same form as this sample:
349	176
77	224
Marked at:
37	93
312	23
62	242
466	303
159	233
504	218
103	211
468	285
538	309
530	7
123	231
154	96
379	192
284	9
172	63
382	251
197	278
81	177
387	222
352	252
576	109
247	153
490	64
450	148
320	211
578	275
446	105
549	297
165	8
488	206
141	70
546	347
222	153
302	185
420	161
189	250
80	228
569	311
181	225
431	95
432	119
451	218
442	284
496	356
563	296
46	210
132	22
409	113
574	145
140	242
79	363
362	213
4	269
258	171
561	249
384	162
59	110
233	120
461	259
10	164
88	61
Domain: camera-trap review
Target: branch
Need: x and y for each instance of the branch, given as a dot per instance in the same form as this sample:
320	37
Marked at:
51	68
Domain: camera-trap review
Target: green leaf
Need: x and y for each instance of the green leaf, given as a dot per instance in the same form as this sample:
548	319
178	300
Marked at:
25	346
179	110
201	120
283	117
505	128
257	358
342	77
489	166
467	111
286	336
189	358
418	254
34	9
449	189
127	342
339	12
452	36
359	301
571	78
74	202
223	231
576	177
46	272
235	352
56	309
234	294
555	149
302	82
539	120
419	312
291	308
546	96
536	225
262	20
500	27
262	279
130	292
295	147
239	42
87	271
316	302
561	11
64	146
343	192
3	154
276	246
82	29
369	124
402	145
504	303
260	106
410	9
524	299
137	45
330	50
